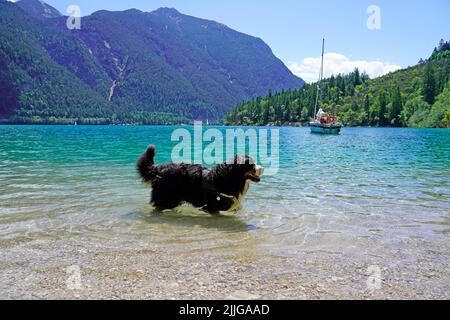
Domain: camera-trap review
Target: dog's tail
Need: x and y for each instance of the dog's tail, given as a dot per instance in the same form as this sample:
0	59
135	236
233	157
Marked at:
146	165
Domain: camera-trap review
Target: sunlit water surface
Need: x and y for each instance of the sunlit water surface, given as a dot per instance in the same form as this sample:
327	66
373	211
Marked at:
364	193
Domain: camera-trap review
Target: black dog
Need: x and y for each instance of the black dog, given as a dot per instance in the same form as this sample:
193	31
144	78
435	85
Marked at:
218	189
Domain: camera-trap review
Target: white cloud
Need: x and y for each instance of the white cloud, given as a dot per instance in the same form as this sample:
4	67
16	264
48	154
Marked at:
335	63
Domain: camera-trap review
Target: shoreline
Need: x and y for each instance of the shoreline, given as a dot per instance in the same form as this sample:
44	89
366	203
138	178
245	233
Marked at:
189	125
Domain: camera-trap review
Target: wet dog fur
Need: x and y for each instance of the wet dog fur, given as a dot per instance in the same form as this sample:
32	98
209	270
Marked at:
213	190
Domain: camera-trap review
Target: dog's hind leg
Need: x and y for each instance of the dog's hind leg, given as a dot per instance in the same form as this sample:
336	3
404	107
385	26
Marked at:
164	203
164	196
165	206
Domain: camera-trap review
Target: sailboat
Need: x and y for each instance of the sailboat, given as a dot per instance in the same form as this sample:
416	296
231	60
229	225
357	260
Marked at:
323	122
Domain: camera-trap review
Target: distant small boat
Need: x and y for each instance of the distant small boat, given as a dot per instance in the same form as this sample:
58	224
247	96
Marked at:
325	128
323	122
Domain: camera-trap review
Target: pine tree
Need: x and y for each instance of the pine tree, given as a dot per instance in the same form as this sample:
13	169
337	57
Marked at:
397	107
266	114
429	83
366	103
356	77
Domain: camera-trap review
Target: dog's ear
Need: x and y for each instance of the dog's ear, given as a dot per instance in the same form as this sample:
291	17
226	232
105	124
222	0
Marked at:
246	160
250	160
239	160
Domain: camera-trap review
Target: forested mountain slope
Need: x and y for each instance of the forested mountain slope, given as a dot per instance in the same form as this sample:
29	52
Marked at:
128	67
417	96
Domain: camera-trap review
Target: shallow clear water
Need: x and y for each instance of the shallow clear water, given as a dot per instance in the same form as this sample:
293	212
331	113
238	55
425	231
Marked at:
370	192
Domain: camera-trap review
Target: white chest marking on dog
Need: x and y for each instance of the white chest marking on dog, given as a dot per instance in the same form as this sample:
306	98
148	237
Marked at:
237	200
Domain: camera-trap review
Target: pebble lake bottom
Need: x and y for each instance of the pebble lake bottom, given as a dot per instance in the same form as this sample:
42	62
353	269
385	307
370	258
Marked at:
363	215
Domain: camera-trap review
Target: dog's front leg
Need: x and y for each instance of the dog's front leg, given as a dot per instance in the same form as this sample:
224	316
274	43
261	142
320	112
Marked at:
219	202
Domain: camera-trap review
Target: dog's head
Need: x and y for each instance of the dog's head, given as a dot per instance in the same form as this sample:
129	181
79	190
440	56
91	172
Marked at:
245	166
233	178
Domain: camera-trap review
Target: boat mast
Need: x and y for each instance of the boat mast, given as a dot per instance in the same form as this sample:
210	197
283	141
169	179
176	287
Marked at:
320	80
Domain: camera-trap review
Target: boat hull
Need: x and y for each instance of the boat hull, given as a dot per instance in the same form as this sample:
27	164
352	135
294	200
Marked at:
325	128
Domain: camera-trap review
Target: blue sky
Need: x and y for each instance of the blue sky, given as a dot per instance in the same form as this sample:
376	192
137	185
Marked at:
410	29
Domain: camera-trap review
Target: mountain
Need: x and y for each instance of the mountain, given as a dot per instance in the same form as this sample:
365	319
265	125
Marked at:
128	67
39	9
417	96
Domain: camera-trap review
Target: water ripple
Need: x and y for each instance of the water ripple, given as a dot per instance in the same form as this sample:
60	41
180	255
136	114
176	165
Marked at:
333	194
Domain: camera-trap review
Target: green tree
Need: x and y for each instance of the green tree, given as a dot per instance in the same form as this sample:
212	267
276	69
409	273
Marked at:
439	114
429	83
265	113
356	77
415	111
374	113
397	106
305	113
382	109
366	103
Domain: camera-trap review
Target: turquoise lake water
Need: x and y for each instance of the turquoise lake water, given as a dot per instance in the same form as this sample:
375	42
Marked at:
370	192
